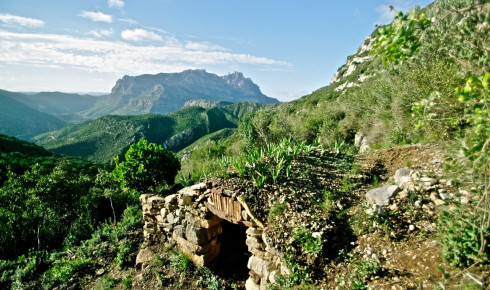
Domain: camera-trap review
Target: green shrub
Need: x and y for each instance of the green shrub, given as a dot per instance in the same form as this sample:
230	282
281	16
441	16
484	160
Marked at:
461	236
147	167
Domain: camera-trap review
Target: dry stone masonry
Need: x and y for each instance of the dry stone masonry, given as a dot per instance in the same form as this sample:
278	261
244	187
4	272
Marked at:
191	218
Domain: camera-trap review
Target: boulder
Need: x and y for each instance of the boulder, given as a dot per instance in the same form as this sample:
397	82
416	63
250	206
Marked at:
144	258
382	195
402	175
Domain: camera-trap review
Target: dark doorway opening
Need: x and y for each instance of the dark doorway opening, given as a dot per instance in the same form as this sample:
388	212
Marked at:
233	258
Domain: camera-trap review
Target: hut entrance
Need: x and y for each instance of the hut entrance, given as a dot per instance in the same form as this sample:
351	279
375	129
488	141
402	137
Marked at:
233	258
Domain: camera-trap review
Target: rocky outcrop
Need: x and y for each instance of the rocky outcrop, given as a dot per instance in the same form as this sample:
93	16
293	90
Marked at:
191	218
206	103
353	63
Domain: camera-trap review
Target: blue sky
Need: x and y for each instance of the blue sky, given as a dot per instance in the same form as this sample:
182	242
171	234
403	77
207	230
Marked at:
289	48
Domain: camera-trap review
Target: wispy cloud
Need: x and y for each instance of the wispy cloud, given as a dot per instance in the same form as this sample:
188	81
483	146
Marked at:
115	3
93	55
14	20
101	33
127	20
96	16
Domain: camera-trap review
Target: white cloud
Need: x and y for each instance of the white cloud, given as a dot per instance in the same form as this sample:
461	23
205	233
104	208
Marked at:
115	3
96	16
93	55
101	33
20	21
139	34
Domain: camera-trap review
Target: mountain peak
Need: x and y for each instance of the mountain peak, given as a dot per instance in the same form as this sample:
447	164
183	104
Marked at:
167	92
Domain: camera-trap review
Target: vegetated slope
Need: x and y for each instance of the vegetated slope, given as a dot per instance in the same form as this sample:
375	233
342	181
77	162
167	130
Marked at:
167	92
22	121
10	144
367	97
109	136
65	106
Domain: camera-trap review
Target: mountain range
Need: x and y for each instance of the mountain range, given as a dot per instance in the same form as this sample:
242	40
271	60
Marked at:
25	115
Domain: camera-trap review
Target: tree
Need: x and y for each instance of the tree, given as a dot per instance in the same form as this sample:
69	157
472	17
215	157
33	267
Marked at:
147	167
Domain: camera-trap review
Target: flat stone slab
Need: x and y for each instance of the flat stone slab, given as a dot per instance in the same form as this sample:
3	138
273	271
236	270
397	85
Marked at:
382	195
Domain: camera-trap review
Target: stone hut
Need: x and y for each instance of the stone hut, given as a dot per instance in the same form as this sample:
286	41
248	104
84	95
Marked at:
197	218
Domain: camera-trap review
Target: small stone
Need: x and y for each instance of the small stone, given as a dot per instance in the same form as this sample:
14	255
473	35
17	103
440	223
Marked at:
403	194
172	218
382	195
444	196
417	204
171	199
434	196
411	228
164	212
439	202
464	200
100	272
450	182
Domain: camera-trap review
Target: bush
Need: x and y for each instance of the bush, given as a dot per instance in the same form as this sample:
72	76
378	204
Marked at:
147	167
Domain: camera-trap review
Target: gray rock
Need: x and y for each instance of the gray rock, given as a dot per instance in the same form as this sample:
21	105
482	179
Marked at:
172	218
382	195
402	175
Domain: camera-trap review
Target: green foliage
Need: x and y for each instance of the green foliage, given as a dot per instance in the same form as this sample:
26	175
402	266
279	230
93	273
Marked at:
180	262
102	139
105	282
461	238
311	245
208	280
361	272
147	167
400	39
62	269
122	259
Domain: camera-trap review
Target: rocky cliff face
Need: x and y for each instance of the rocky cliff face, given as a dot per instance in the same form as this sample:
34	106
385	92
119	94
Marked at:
167	92
206	103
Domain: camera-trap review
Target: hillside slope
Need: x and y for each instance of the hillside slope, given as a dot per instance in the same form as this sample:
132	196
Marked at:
109	136
167	92
22	121
372	97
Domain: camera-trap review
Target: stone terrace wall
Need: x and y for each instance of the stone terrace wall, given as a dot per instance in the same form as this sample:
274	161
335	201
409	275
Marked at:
186	219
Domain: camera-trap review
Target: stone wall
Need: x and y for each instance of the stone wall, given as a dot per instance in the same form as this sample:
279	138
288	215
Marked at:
192	218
